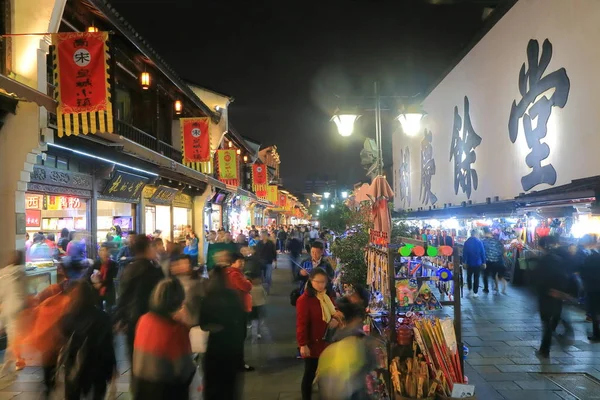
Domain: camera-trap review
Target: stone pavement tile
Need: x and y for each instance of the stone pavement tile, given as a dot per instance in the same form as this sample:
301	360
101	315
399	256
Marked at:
529	394
522	368
566	396
8	395
521	328
504	352
31	378
291	396
25	387
584	354
504	376
477	342
578	361
485	368
506	385
537	385
124	396
534	360
488	361
500	336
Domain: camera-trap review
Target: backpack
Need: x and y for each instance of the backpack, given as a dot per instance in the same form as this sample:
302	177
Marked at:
294	296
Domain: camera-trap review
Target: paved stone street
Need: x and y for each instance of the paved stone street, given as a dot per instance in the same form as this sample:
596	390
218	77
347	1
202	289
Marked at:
502	333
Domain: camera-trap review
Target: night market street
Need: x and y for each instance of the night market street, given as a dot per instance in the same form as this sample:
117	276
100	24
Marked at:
502	333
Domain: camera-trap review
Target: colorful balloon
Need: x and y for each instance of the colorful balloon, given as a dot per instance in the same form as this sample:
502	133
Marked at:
419	251
432	251
405	251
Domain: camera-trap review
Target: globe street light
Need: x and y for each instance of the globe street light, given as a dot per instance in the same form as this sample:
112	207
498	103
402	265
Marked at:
345	123
344	195
321	206
410	120
333	206
326	195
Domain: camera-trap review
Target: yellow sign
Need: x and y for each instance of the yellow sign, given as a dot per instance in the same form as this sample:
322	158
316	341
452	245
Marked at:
227	164
272	195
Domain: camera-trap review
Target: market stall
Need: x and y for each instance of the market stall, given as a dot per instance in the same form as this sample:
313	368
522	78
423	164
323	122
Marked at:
405	315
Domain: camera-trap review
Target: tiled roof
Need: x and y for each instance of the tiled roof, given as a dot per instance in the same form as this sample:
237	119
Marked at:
144	47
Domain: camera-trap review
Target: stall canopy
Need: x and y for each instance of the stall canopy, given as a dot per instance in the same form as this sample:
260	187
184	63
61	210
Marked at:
496	209
580	190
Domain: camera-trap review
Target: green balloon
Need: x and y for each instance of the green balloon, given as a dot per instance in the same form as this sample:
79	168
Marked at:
410	246
432	251
405	251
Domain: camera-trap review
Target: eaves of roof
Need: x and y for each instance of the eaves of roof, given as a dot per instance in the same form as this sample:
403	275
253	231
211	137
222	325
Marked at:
127	30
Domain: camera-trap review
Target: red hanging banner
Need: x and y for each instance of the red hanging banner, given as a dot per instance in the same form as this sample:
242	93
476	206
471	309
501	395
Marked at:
195	139
83	91
259	180
282	200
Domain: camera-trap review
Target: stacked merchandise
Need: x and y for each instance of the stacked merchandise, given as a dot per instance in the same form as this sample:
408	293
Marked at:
434	367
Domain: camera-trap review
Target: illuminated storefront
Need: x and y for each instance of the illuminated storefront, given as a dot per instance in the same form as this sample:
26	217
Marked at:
168	210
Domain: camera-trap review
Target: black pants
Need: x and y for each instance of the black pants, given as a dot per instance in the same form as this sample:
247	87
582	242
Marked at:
130	340
75	391
49	379
593	303
551	315
492	268
222	377
473	278
310	371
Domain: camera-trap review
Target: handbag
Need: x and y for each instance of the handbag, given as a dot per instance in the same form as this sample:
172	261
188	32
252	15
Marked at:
198	339
329	334
294	296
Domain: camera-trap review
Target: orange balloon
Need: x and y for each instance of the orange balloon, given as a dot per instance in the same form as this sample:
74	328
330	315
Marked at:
446	250
418	251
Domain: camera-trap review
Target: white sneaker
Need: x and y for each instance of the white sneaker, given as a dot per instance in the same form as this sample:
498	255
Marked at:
475	295
469	293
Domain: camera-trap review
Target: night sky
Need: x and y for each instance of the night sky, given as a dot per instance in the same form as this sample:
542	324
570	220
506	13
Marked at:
284	62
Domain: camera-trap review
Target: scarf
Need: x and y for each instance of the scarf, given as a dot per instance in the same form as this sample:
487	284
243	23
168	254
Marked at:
327	307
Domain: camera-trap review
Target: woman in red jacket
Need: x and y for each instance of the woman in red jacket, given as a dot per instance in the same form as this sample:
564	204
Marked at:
314	313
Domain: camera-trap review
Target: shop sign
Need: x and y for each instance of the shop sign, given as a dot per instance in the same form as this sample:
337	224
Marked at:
125	185
195	136
34	201
462	149
33	218
164	195
427	169
183	200
55	203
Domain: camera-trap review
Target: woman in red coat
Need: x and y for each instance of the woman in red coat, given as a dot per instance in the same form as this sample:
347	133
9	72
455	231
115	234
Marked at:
314	313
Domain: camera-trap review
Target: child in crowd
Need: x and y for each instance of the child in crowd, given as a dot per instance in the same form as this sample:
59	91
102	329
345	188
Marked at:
257	316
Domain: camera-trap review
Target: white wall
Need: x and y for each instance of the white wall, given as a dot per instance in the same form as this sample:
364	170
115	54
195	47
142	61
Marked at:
488	75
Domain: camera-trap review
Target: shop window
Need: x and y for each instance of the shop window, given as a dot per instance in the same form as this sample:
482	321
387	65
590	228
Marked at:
62	163
123	105
50	161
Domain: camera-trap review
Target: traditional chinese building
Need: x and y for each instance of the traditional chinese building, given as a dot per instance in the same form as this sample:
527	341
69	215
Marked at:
513	122
146	156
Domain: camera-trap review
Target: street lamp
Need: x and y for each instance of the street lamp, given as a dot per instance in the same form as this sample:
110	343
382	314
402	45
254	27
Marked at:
333	206
345	123
322	206
344	195
326	195
410	120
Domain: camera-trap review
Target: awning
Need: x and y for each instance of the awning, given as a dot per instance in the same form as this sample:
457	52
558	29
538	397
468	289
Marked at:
484	210
25	93
577	191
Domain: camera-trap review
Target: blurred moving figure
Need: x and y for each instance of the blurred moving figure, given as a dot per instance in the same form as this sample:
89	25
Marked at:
345	364
13	294
162	357
222	314
88	357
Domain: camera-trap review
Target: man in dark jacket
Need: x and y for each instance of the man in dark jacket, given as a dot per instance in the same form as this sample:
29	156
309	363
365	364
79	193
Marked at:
552	283
137	282
590	275
266	252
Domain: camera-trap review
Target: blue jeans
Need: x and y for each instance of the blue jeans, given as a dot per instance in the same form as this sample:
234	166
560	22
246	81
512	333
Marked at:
267	276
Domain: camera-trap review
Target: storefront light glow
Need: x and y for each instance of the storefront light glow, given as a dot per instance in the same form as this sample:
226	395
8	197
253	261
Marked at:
451	223
321	206
345	123
333	206
533	222
102	159
411	123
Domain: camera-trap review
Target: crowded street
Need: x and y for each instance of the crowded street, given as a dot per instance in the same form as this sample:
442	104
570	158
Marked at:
501	333
341	200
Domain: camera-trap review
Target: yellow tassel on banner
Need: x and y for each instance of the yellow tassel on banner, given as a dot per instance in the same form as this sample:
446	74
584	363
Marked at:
68	130
102	116
60	125
109	118
76	128
84	123
93	128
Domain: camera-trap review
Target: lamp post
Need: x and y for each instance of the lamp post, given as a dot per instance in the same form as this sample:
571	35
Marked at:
410	120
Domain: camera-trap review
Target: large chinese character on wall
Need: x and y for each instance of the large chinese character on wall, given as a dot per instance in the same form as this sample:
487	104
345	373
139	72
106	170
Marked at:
427	169
83	91
462	150
535	108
